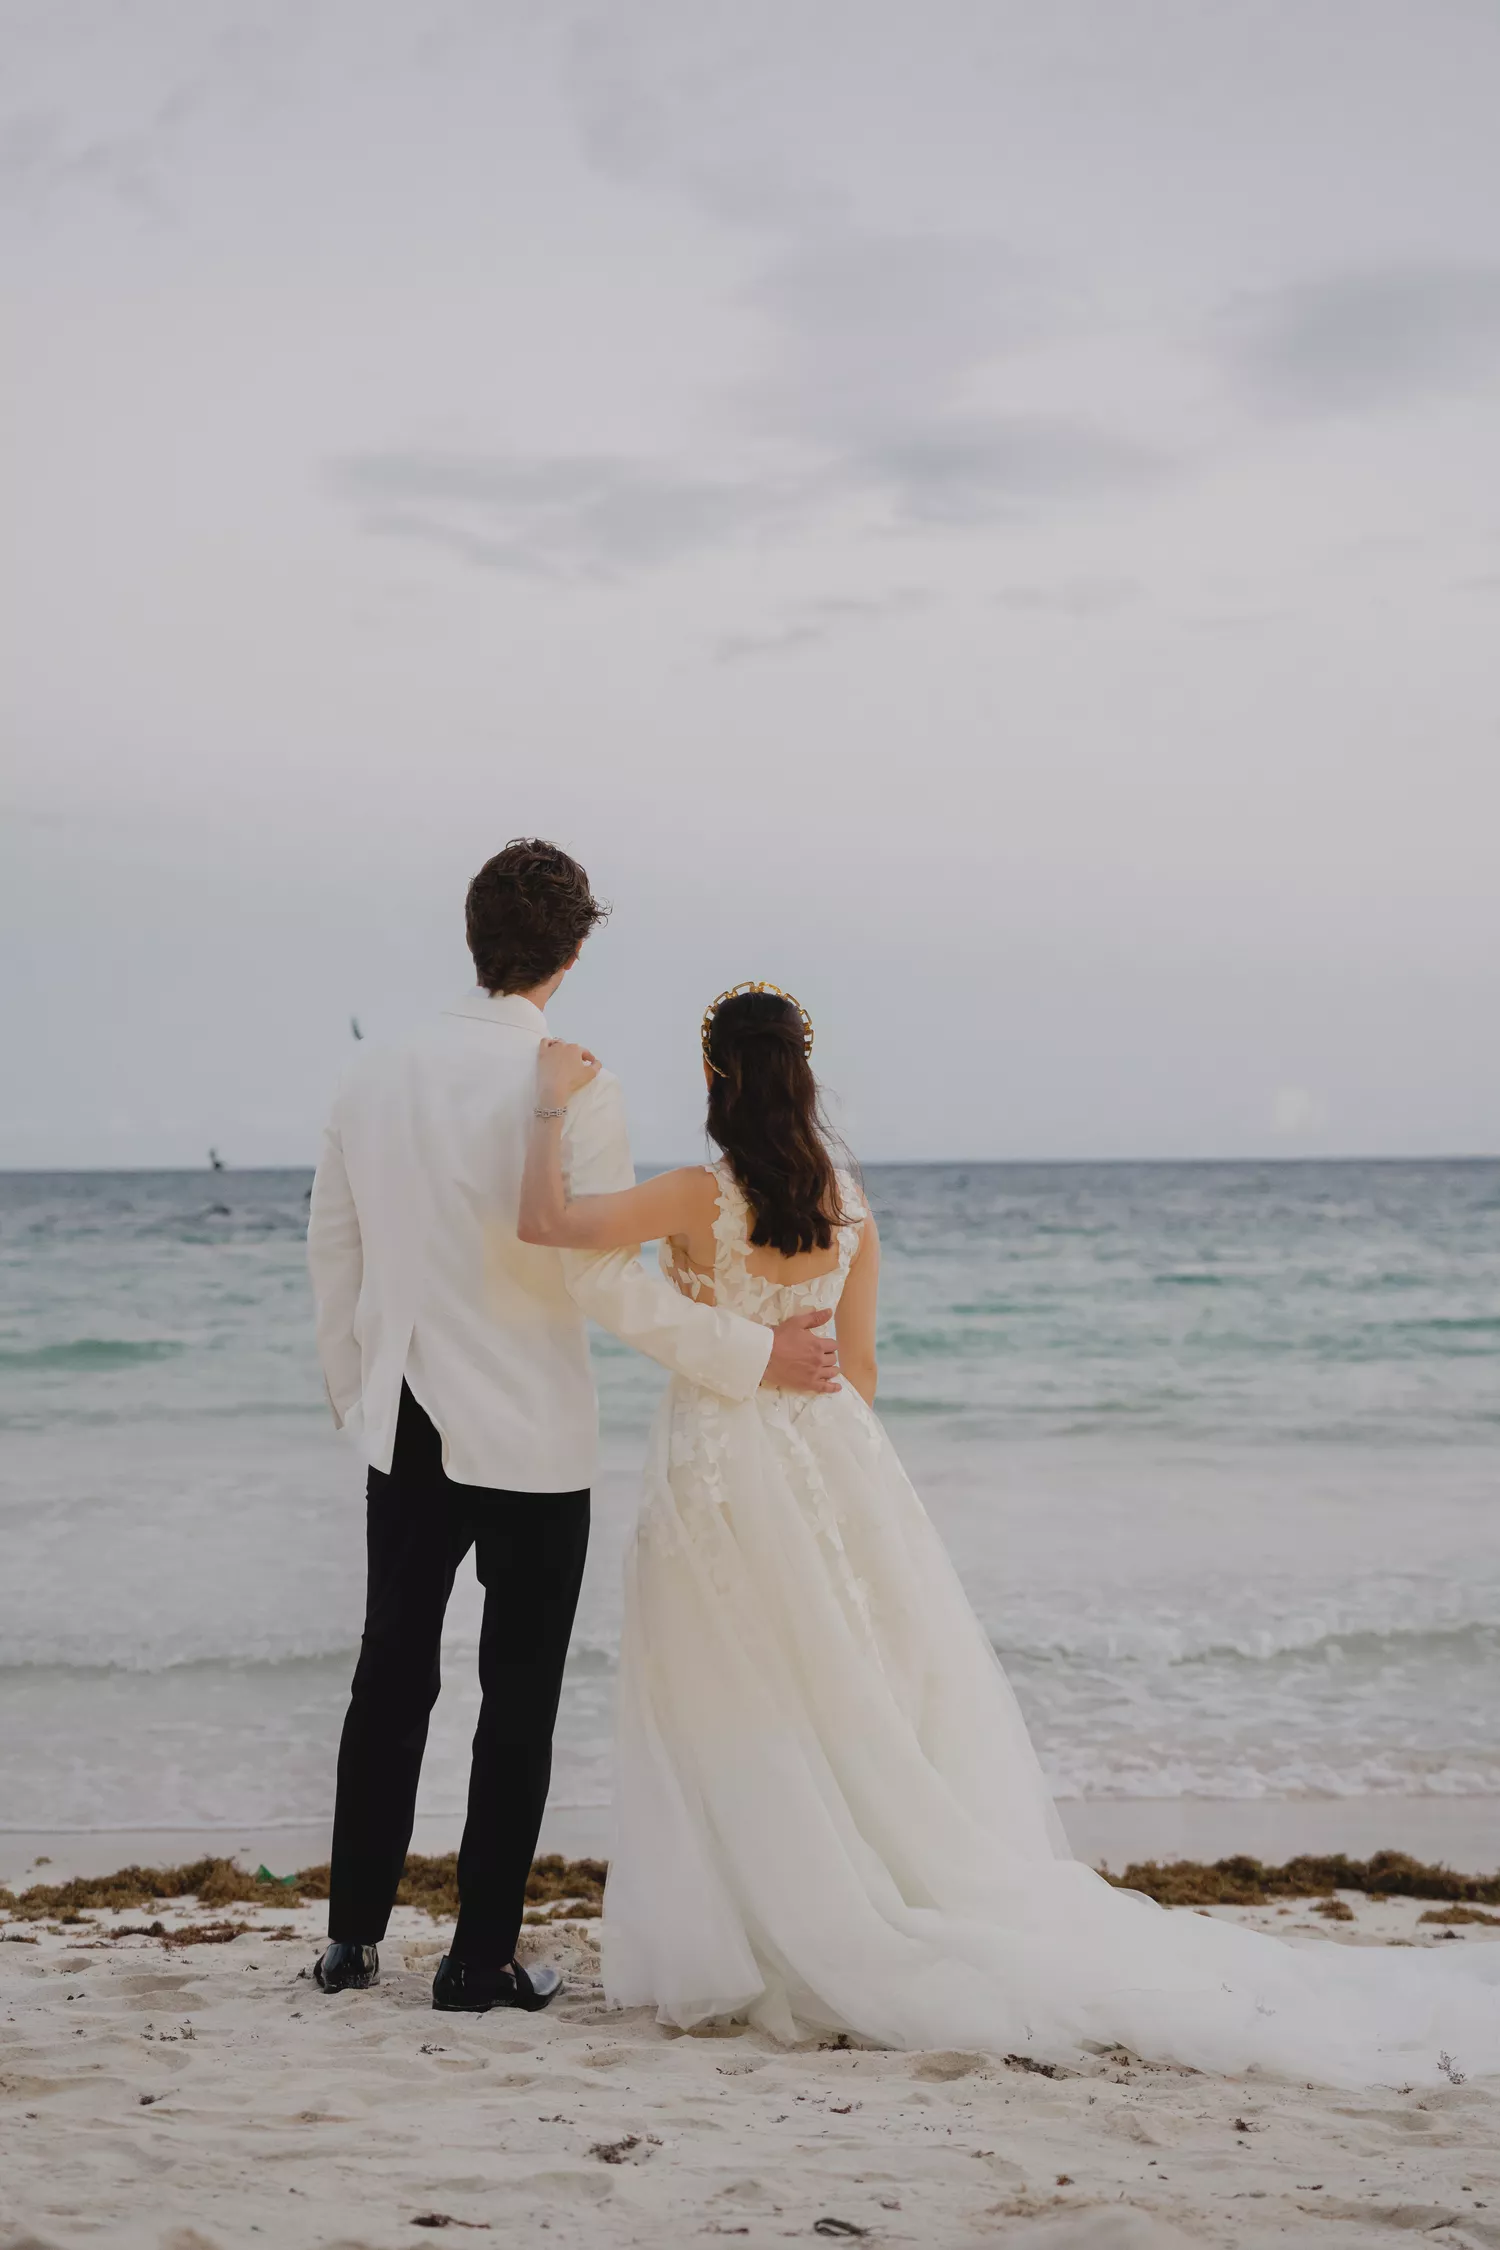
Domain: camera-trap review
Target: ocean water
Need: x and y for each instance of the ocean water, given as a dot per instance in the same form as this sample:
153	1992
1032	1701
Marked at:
1216	1448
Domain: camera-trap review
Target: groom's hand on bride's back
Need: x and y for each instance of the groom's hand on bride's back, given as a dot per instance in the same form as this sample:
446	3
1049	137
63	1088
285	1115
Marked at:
803	1357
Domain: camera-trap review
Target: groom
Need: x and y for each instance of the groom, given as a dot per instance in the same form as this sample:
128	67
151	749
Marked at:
458	1358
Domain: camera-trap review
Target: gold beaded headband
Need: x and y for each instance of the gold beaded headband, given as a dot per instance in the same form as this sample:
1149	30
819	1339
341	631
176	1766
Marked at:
734	993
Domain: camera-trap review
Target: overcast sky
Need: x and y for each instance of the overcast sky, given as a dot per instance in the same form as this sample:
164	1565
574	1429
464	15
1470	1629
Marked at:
988	515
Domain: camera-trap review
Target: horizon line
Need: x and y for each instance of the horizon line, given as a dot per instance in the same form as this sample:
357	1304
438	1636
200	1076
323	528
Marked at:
874	1163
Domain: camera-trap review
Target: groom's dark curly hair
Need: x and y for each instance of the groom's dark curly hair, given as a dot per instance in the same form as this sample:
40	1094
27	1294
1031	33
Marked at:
528	911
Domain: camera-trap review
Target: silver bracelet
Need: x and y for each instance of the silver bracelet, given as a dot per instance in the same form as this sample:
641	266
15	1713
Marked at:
551	1112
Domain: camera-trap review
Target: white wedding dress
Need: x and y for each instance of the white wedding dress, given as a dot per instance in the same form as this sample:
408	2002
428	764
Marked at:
829	1814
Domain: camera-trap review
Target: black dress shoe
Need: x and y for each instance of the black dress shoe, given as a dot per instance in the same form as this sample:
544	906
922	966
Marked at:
464	1985
348	1968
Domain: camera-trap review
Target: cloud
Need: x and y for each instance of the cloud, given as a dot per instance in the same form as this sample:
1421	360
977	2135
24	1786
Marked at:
580	516
870	347
971	468
559	516
1077	598
872	331
870	334
1236	620
1358	341
876	343
117	137
40	160
809	624
658	105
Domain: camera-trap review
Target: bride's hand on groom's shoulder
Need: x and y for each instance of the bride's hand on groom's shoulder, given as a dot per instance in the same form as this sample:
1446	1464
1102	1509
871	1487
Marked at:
562	1071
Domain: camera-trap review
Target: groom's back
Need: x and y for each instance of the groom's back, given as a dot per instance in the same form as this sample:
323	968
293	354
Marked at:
432	1133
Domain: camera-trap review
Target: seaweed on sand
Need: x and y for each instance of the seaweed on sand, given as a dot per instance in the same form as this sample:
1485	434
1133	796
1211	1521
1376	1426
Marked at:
433	1883
1241	1881
430	1883
212	1882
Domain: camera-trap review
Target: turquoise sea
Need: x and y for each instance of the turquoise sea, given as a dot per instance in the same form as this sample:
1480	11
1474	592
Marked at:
1216	1448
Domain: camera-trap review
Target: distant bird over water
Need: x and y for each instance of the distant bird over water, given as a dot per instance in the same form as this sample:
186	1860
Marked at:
354	1027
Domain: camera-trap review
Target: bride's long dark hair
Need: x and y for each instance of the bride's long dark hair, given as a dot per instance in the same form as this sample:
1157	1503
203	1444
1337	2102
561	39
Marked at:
765	1114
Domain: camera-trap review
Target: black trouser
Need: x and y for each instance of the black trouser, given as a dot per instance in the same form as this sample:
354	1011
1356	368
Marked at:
529	1549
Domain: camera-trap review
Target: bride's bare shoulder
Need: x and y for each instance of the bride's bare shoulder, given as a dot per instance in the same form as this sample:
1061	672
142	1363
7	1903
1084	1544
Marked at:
692	1180
694	1192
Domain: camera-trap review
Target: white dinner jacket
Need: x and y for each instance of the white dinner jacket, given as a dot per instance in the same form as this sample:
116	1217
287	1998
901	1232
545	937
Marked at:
419	1275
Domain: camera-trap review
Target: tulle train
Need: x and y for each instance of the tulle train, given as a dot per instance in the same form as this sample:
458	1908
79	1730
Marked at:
830	1817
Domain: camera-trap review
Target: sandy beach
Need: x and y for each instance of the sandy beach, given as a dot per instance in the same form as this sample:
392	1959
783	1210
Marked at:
193	2089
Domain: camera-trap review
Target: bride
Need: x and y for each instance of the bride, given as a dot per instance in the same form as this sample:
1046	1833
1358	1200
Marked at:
830	1817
